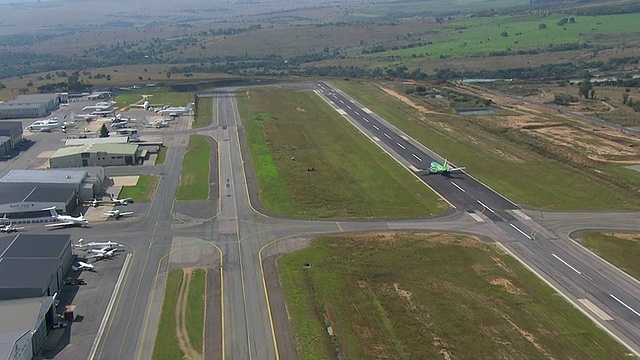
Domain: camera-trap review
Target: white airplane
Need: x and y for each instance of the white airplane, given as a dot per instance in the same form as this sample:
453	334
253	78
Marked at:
82	266
10	228
102	254
125	201
47	125
66	220
101	106
176	110
94	245
117	214
83	116
94	202
157	124
102	113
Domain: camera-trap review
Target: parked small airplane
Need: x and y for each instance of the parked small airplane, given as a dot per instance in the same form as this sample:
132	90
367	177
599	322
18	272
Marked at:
48	125
66	220
176	110
102	254
438	168
157	124
87	117
94	245
94	203
10	228
125	201
101	106
117	214
83	266
102	113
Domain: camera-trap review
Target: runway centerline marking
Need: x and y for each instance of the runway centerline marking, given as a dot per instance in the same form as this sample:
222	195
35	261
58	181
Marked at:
375	127
357	113
520	231
485	206
365	119
404	148
388	137
625	305
570	267
457	186
349	107
416	156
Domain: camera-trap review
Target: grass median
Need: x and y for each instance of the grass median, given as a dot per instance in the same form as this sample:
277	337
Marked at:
205	113
143	191
620	249
162	155
311	162
428	296
166	344
194	176
195	308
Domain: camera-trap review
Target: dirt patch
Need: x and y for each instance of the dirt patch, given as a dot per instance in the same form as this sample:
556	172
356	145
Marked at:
408	101
181	322
446	353
507	285
298	109
625	236
362	284
404	294
532	339
125	180
502	265
248	95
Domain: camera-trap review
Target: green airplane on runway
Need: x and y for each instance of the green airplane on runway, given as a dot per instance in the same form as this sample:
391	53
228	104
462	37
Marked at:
437	168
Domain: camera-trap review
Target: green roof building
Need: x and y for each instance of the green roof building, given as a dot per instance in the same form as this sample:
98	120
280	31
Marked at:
97	154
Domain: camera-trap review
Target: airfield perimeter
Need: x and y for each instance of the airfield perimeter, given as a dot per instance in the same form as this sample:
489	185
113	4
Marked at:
172	234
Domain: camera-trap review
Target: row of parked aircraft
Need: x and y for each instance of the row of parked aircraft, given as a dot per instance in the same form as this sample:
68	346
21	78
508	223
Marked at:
97	251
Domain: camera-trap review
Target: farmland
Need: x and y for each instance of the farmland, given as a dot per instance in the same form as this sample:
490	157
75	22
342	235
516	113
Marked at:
425	296
301	148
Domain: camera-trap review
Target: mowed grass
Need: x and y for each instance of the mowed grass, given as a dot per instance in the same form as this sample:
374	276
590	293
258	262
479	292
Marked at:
429	296
195	309
162	155
620	249
477	36
166	344
291	131
194	176
506	164
144	189
159	96
205	113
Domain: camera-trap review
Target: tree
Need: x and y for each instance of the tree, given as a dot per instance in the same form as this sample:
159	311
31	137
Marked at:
625	97
104	132
504	34
542	26
585	87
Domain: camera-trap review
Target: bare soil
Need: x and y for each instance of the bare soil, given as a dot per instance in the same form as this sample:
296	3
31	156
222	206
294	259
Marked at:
181	312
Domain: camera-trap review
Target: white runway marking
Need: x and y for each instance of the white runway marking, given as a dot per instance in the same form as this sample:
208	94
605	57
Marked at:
357	113
625	305
568	265
476	217
375	138
521	232
416	156
365	119
456	185
404	138
349	107
521	214
367	111
413	168
375	127
596	310
387	136
341	102
341	112
485	206
401	146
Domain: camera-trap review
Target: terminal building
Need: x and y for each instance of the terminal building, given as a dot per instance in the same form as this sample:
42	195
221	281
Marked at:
32	270
96	154
24	193
10	136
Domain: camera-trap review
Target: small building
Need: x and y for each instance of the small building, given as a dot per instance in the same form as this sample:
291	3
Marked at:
96	155
10	136
24	326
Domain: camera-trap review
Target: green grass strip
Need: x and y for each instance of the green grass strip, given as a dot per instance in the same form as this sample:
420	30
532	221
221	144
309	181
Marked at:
166	344
205	113
623	251
143	191
195	309
194	177
162	155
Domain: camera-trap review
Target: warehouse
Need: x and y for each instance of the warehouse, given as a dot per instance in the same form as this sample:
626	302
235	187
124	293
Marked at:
23	193
10	136
24	326
20	111
96	155
97	140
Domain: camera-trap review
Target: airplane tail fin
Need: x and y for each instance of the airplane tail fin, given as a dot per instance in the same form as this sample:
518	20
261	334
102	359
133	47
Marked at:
80	241
446	162
188	107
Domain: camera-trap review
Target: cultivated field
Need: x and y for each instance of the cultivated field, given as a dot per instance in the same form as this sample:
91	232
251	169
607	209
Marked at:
428	296
194	176
310	162
534	156
620	249
144	189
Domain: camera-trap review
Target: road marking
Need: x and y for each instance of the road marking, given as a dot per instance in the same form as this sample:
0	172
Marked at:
341	102
485	206
457	186
339	226
625	305
388	137
365	119
596	310
520	231
569	265
367	110
416	156
375	138
349	107
404	138
375	127
357	113
401	146
107	313
521	214
413	168
341	112
476	217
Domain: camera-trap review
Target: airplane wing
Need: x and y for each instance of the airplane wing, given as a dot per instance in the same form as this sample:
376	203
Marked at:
126	213
67	223
99	255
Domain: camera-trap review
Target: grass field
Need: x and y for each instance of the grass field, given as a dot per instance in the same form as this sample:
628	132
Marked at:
162	155
166	344
620	249
505	160
194	176
290	132
205	113
144	189
195	308
429	296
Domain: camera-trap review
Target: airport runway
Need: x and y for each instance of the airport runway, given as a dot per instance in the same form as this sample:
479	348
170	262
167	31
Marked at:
243	233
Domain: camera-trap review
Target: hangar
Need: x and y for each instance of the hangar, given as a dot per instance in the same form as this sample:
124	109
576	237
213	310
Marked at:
31	105
23	193
24	326
96	154
10	136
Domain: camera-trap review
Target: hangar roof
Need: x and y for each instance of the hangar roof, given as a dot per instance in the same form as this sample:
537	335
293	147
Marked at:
16	193
34	246
19	273
4	139
120	149
19	317
48	176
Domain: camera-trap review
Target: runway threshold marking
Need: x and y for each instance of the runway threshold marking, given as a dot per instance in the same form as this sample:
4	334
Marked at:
339	226
596	310
625	305
476	217
520	231
457	186
568	265
107	313
521	214
485	206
